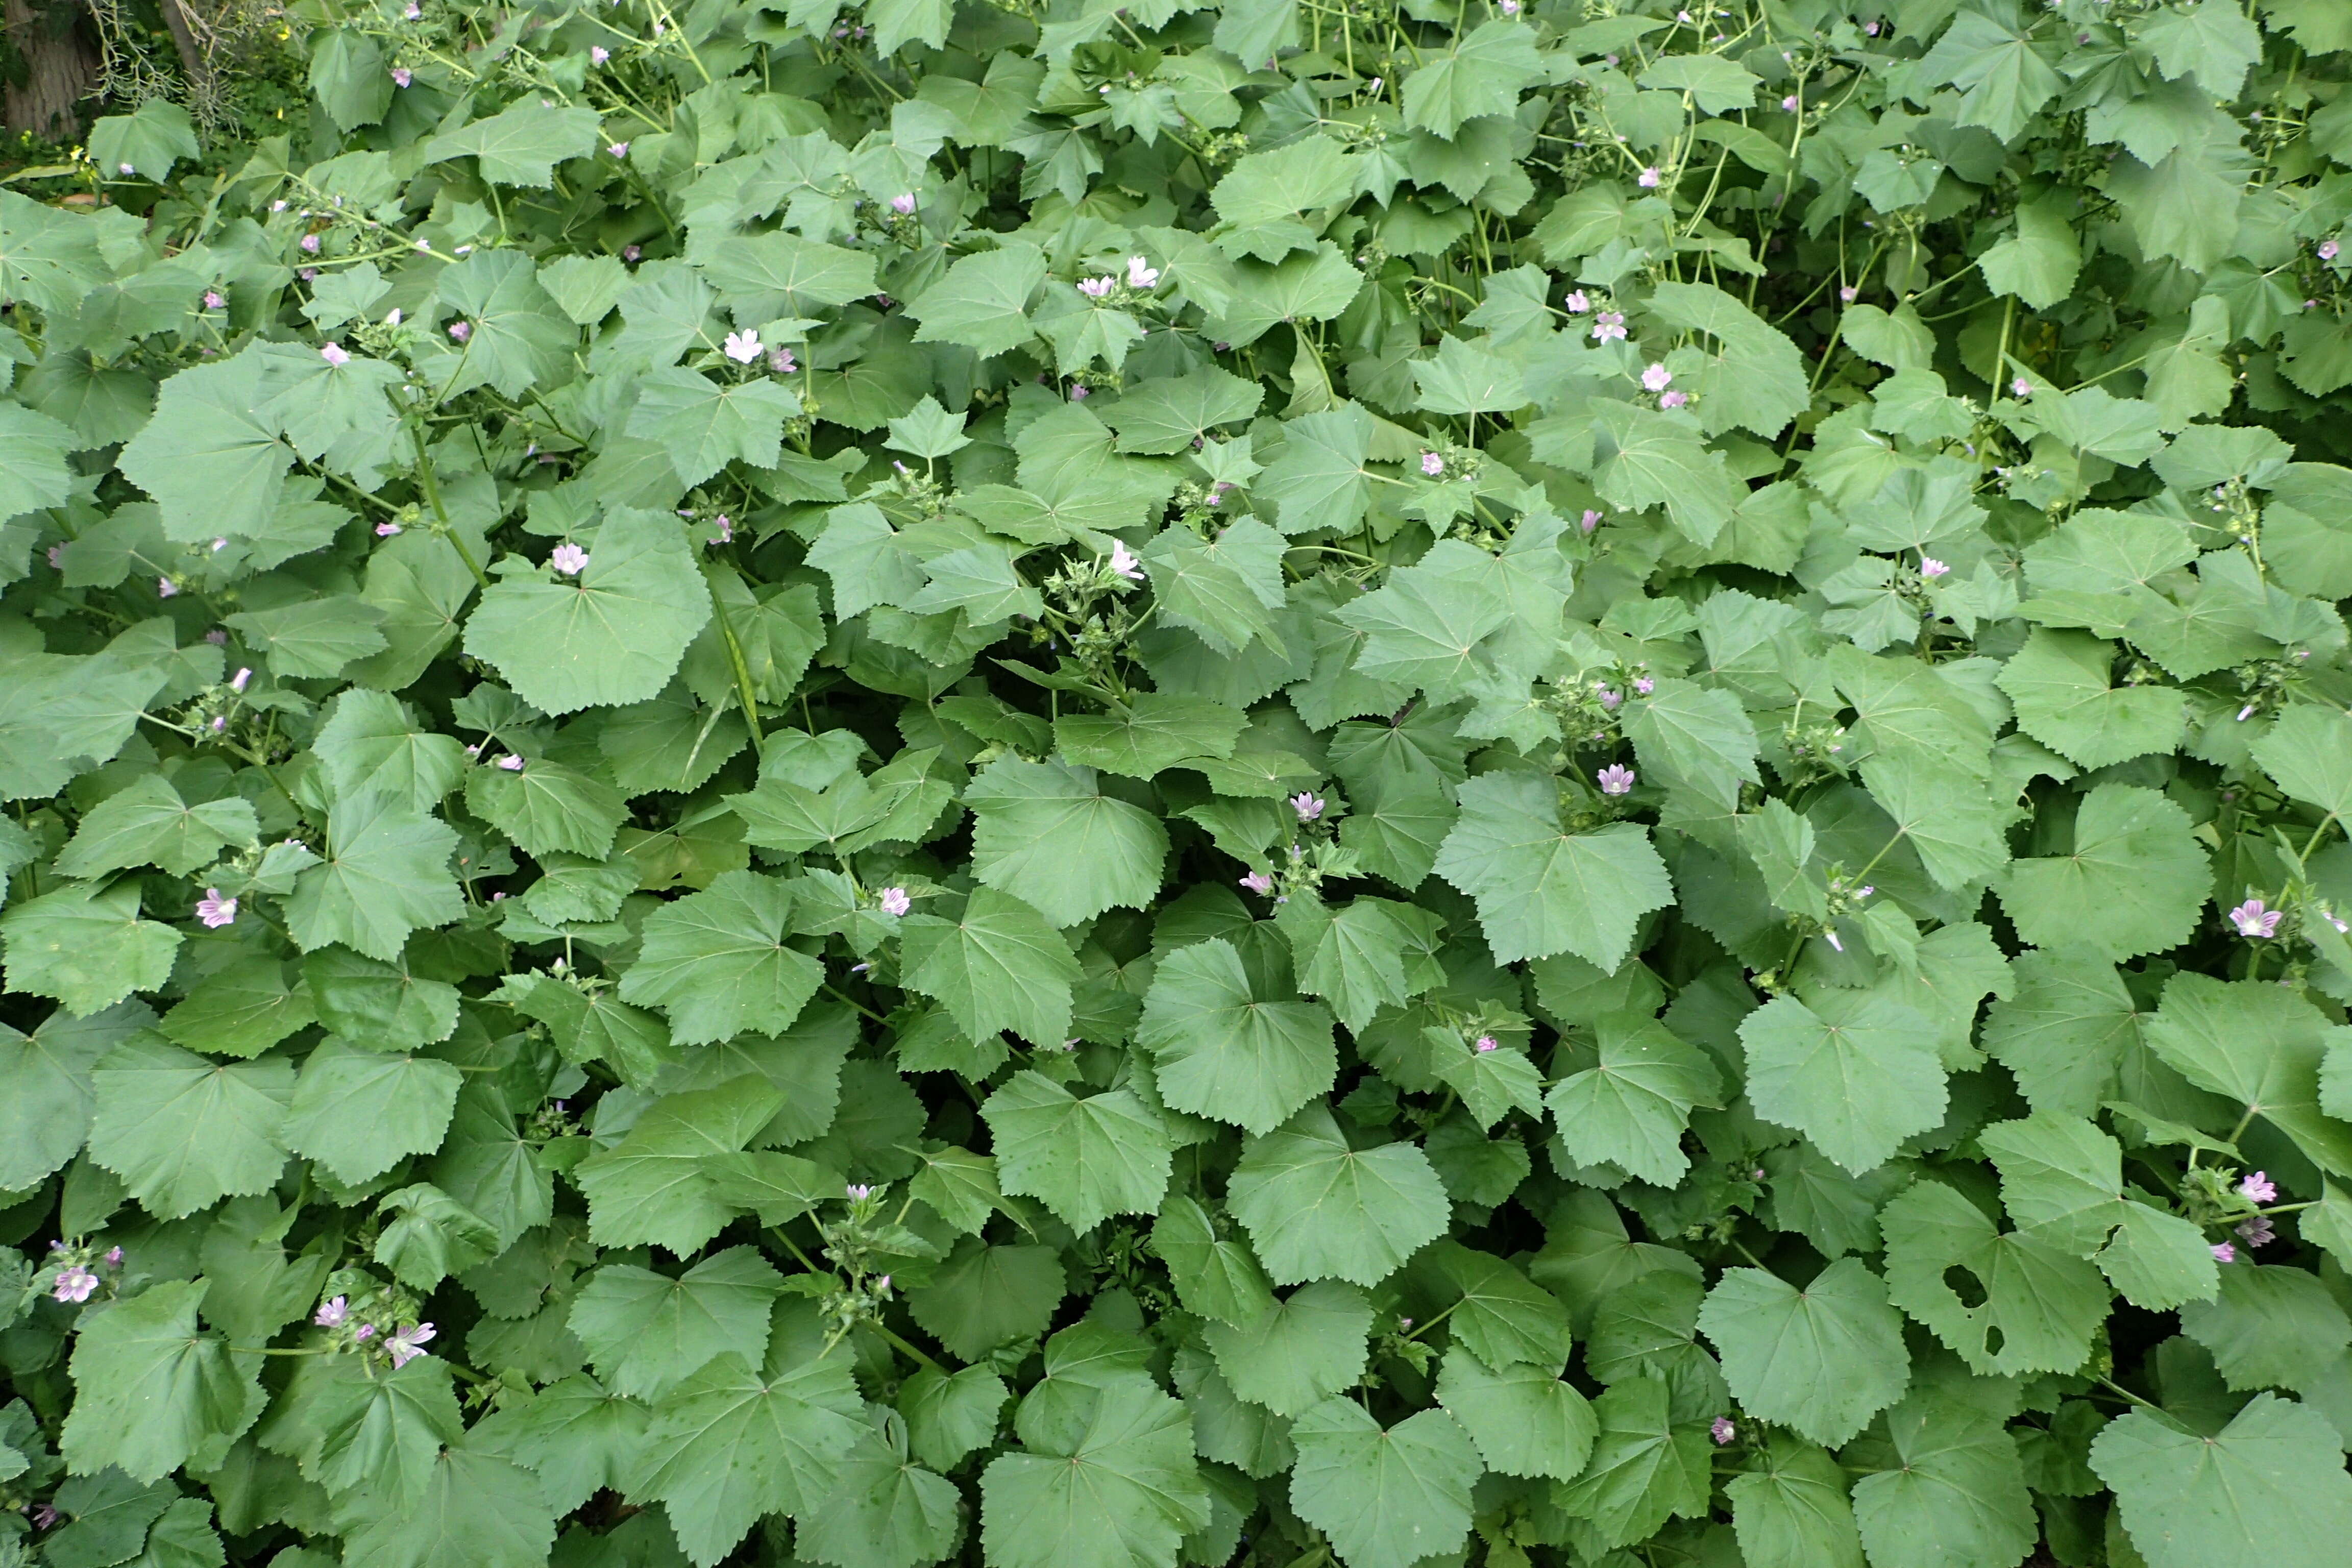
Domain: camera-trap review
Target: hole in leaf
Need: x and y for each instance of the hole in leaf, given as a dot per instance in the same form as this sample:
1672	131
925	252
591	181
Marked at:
1961	1282
1994	1340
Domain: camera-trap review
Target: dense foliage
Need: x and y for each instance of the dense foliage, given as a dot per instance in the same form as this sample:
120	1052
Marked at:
1325	783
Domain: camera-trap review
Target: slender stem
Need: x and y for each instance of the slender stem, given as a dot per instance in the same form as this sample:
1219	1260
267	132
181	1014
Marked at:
744	689
884	1329
433	496
851	1001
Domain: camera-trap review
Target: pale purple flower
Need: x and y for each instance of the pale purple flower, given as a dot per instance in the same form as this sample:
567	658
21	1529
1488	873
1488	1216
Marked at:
1648	180
1096	288
1722	1430
386	530
882	1285
364	1332
2327	250
781	362
1258	882
217	637
218	724
726	529
618	148
1615	779
1307	805
1486	1043
460	330
743	347
166	588
308	275
2257	1231
631	252
57	557
413	11
1508	7
236	683
1079	391
1576	302
1833	940
1673	399
213	301
903	203
310	242
279	205
408	1343
1643	686
598	54
568	559
45	1517
335	353
114	1256
1432	464
858	1192
1611	696
400	76
2021	389
1656	377
1590	521
2224	1253
2253	920
2259	1188
1789	103
219	545
214	911
126	168
895	901
1123	561
1607	325
1930	568
511	762
330	1314
1141	274
75	1283
1849	294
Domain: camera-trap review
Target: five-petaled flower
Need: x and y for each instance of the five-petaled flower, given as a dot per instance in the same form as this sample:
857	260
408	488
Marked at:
2259	1188
1141	274
460	330
511	762
310	242
743	347
2021	389
400	76
214	911
1258	882
2253	920
1931	568
1432	464
2257	1231
894	901
1309	806
213	301
1649	179
568	559
903	203
618	148
330	1314
781	362
2328	250
1673	399
598	54
1124	563
335	353
1608	324
1096	288
1655	378
75	1283
2224	1253
1615	779
1722	1430
1486	1043
407	1345
1643	686
1576	302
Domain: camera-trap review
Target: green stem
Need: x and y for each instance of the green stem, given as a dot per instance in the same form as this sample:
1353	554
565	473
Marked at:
744	689
440	512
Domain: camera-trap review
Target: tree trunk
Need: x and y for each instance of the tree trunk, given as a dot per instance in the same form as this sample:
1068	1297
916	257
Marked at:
61	64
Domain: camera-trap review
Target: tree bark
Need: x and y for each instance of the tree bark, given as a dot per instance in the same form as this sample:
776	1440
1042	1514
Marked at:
184	39
61	64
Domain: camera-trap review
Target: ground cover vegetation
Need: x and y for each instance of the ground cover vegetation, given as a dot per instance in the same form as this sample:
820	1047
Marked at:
1324	783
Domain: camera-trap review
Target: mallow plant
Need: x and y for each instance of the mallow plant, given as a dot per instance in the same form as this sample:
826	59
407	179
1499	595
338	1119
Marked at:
1320	783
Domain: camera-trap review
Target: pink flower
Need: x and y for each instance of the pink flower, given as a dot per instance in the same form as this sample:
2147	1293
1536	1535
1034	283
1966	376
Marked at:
903	203
1673	399
1648	179
1486	1043
400	76
2224	1253
364	1332
308	275
631	252
1432	464
1611	696
1848	295
858	1192
618	148
1592	519
75	1283
1258	882
1508	7
511	762
310	242
1308	806
114	1256
1123	561
2254	921
217	637
1576	302
386	530
330	1314
166	588
1655	378
2021	389
1141	274
335	353
1607	325
2327	250
460	330
2256	1231
408	1343
236	683
413	11
1615	779
1930	568
1722	1430
568	559
895	901
214	911
598	54
726	529
742	347
213	301
1643	686
781	362
1079	392
1789	103
2259	1188
1096	287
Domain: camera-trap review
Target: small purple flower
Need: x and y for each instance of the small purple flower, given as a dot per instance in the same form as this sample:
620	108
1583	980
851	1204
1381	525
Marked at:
858	1192
1655	378
568	559
2259	1188
217	637
330	1314
895	901
903	203
114	1256
781	362
1673	399
335	354
45	1517
1258	882
726	529
2224	1253
460	330
1079	392
364	1332
2021	389
1141	274
1486	1043
400	76
213	301
1615	779
1590	521
743	347
1576	302
1648	180
1123	561
1508	7
214	911
1611	696
75	1283
2254	921
308	275
1643	686
2256	1231
1789	103
386	530
1432	464
413	11
1722	1430
1930	568
631	252
407	1344
1607	325
236	683
311	244
166	588
2327	250
618	148
511	762
1308	806
598	54
57	557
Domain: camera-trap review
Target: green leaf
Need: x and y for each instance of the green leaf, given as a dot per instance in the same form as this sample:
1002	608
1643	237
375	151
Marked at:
2259	1046
1631	1108
1694	738
1316	1209
948	1415
1524	1420
2134	883
150	1391
1318	479
1855	1072
85	946
1221	588
2309	752
981	301
46	1112
1156	732
1299	1350
1540	892
2038	263
1953	1492
2059	681
386	873
1214	1277
1167	415
1386	1497
704	426
1792	1511
717	961
313	637
1046	835
520	144
213	463
658	1186
2268	1491
1085	1159
1105	1475
370	743
2034	1308
1223	1052
1482	73
1643	1471
613	634
476	1509
359	1113
548	808
2061	1179
33	472
999	966
184	1132
49	255
646	1333
1823	1360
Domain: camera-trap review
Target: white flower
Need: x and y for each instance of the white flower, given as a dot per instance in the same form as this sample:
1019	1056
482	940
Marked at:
895	901
1140	275
407	1344
568	559
1930	568
743	347
1123	561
